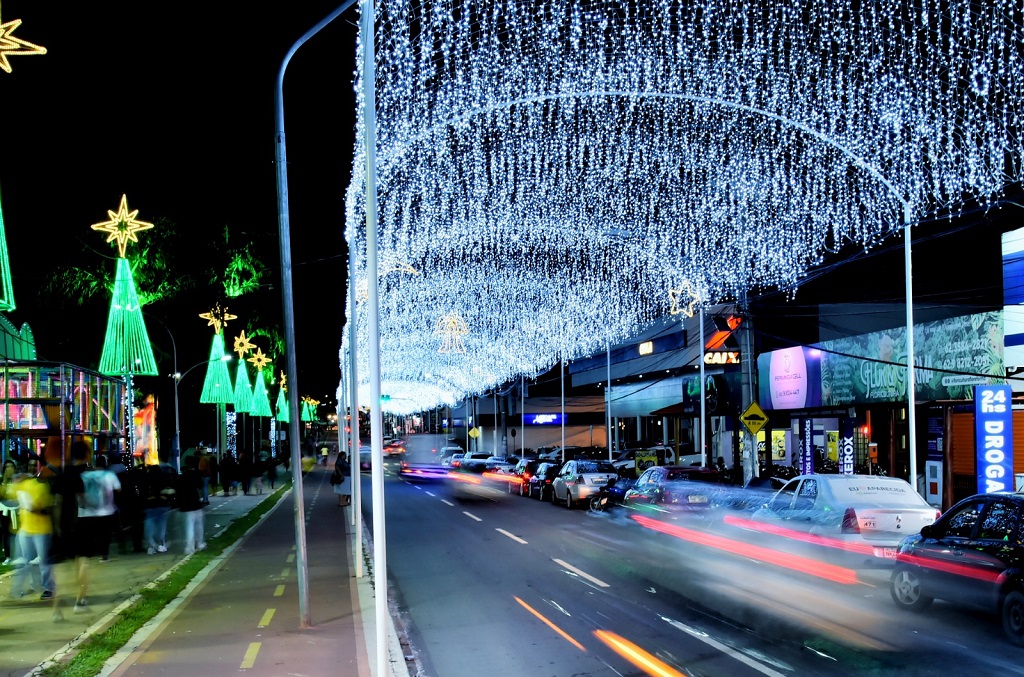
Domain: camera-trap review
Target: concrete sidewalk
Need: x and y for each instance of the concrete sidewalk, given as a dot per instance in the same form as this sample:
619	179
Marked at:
28	633
236	587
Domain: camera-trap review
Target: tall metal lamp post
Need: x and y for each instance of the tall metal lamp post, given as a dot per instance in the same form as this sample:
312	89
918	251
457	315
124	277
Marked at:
177	376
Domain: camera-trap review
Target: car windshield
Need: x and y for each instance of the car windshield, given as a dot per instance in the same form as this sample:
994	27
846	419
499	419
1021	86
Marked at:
595	466
869	491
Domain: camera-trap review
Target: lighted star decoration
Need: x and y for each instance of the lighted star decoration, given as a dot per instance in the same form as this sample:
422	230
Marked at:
12	46
540	166
218	318
259	361
122	226
284	382
310	401
453	328
243	345
687	295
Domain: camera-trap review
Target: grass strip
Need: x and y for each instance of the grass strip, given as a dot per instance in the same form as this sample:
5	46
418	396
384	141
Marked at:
92	654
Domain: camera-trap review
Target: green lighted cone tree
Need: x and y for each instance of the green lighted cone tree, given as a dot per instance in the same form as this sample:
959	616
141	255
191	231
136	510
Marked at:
260	400
283	414
243	392
306	416
6	288
217	386
126	348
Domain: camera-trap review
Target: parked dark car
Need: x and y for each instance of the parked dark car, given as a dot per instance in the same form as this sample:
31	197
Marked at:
973	556
675	487
525	469
540	482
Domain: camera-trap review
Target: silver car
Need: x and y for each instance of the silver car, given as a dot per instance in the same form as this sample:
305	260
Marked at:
579	480
862	517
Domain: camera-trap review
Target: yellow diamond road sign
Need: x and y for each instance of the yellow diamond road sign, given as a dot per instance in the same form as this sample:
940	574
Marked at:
474	433
754	418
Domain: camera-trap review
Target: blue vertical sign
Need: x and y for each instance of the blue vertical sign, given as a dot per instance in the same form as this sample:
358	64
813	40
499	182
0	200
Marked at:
993	437
846	426
806	446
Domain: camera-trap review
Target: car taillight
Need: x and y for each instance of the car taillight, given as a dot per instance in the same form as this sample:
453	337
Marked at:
850	523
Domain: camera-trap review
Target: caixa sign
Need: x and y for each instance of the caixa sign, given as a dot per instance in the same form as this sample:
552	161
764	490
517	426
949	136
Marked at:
722	357
993	430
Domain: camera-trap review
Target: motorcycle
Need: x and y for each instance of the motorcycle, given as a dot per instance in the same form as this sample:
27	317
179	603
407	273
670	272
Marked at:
609	496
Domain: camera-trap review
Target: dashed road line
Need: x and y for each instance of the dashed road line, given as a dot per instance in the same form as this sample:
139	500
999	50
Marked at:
471	516
582	574
268	615
512	536
727	650
279	591
250	656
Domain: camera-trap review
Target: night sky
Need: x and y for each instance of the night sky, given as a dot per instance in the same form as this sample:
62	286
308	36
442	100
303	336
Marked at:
173	105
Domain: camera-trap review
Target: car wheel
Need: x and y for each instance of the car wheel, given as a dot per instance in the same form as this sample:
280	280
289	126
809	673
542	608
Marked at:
554	497
568	499
1012	613
905	586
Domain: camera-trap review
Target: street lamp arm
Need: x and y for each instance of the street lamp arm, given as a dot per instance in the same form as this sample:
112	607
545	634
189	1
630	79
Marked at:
177	377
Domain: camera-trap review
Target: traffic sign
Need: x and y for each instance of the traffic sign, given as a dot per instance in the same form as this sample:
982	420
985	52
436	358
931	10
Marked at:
754	418
474	433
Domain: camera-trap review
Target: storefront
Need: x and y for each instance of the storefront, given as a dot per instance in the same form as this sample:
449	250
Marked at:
858	386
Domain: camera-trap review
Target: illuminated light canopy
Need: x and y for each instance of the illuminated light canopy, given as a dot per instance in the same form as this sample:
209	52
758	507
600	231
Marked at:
12	46
217	385
549	165
122	226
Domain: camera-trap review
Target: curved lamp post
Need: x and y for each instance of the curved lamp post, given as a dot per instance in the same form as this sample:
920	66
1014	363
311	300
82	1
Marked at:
177	376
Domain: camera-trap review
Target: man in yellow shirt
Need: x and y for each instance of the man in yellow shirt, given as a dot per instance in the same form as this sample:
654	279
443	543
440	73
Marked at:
35	532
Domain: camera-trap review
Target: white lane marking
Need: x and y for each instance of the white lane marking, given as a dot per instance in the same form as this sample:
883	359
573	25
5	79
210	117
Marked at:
448	503
472	516
431	493
582	574
512	536
727	650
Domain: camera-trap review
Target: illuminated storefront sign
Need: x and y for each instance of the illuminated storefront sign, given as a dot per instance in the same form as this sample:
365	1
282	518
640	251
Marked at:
993	426
646	348
722	357
543	419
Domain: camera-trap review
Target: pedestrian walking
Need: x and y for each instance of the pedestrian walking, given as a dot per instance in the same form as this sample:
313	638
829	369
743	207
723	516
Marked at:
94	493
341	481
204	473
159	493
6	524
35	531
271	473
228	468
245	470
189	497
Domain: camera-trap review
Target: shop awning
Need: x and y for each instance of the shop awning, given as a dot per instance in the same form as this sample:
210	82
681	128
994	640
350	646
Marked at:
679	409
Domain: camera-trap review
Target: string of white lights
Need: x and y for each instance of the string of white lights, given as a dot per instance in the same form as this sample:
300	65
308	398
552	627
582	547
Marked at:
551	169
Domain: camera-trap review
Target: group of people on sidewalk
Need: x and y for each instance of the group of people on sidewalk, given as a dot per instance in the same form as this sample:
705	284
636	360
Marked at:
245	472
74	513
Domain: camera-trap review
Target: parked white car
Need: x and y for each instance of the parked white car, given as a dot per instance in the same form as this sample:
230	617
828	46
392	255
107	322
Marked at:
862	516
579	480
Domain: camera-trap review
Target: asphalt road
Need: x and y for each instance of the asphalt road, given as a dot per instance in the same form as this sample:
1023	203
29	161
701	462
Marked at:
503	585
